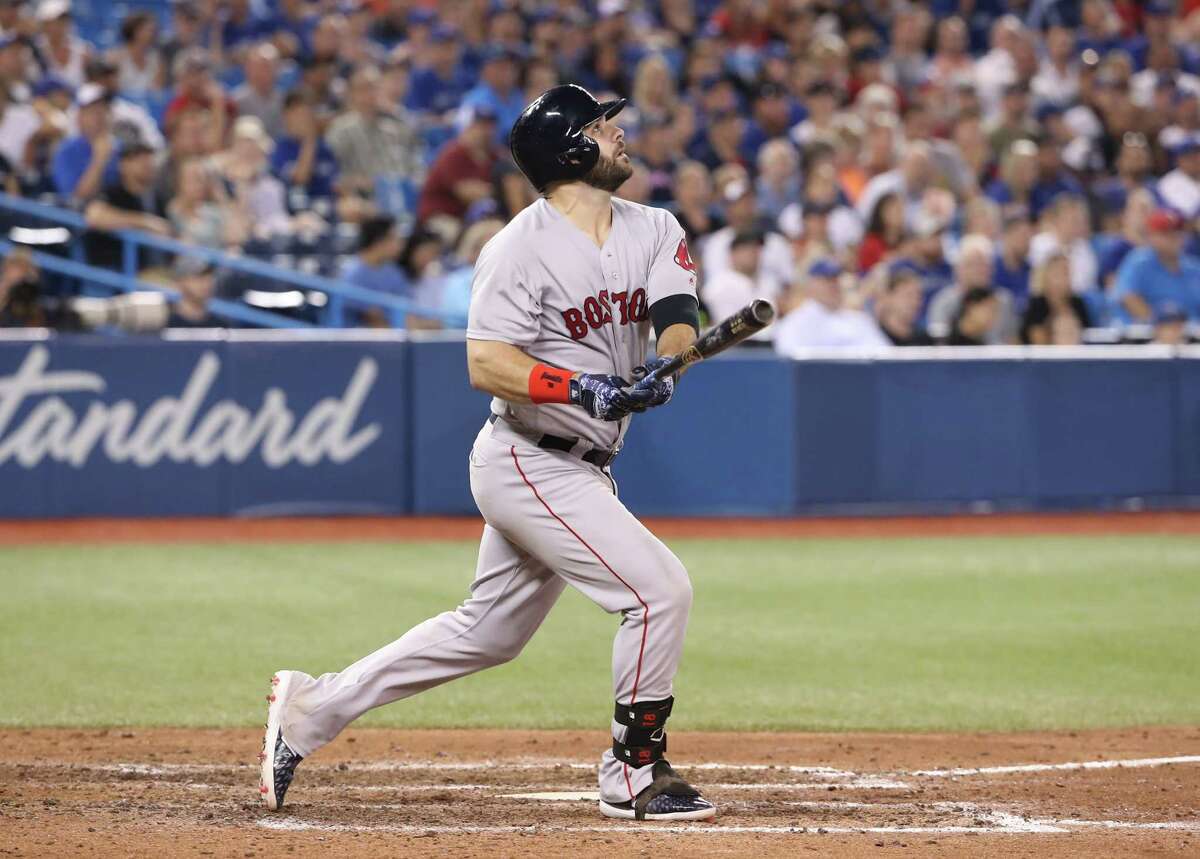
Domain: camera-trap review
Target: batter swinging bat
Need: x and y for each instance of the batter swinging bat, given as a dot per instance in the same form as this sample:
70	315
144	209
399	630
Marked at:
754	317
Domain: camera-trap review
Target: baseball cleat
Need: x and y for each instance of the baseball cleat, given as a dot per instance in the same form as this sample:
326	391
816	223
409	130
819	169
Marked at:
662	807
277	759
668	797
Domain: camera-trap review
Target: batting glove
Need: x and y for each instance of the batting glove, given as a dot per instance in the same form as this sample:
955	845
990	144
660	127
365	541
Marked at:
607	398
660	389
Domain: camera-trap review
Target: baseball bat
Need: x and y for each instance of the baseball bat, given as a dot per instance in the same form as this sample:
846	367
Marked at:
754	317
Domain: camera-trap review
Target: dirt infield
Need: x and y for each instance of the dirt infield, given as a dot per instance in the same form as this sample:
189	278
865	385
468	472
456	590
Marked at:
42	531
177	792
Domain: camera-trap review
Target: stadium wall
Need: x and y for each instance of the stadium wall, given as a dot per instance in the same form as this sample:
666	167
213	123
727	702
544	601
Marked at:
279	423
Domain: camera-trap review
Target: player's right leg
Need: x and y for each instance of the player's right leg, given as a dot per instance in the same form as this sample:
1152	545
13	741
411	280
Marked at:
566	513
510	597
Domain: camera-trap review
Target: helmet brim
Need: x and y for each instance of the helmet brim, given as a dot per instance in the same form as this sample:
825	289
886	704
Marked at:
609	109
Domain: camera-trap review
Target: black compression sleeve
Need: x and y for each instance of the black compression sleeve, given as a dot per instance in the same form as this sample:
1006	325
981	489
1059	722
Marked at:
675	310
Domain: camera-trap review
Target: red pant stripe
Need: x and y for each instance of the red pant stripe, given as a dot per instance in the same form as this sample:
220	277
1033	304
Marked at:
645	623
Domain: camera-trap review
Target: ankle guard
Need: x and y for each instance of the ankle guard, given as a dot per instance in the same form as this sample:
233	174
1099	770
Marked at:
646	735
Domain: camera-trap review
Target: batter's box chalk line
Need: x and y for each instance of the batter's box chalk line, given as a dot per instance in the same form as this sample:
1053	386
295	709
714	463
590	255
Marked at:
868	783
990	822
139	768
1135	763
816	772
987	820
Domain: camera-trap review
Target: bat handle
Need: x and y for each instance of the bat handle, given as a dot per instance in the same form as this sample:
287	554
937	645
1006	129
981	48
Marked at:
649	377
665	369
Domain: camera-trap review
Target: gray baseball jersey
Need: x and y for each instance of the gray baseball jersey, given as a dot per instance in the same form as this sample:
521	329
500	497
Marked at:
553	519
544	286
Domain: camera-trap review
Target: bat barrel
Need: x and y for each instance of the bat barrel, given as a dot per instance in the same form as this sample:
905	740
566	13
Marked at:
755	316
762	311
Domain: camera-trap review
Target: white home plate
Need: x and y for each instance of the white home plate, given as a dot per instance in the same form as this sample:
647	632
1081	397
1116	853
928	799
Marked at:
558	795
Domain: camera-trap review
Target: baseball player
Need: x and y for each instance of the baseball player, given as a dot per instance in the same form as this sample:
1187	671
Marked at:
562	304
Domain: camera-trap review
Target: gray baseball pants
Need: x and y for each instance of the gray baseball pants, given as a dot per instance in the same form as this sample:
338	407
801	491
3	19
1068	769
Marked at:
552	520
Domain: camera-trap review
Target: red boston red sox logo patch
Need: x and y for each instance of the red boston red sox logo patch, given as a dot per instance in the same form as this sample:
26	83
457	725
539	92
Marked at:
682	258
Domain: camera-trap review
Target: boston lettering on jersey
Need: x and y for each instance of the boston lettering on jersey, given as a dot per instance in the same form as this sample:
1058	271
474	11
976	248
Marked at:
597	311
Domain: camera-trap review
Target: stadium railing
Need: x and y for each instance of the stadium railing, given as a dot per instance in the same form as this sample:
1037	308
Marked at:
230	310
338	295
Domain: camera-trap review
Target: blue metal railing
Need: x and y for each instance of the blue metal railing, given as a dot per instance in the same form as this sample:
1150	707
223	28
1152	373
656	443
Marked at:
339	293
228	309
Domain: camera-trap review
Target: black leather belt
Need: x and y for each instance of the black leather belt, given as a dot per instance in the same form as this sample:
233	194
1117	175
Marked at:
596	456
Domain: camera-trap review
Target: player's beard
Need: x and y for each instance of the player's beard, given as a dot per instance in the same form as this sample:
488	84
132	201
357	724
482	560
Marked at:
608	174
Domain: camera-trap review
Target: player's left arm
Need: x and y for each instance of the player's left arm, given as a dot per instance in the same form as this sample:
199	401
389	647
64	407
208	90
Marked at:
674	310
675	339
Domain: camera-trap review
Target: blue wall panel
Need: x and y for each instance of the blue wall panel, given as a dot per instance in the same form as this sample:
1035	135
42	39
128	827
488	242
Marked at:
154	479
129	465
834	428
1102	428
446	416
346	447
1187	427
724	445
277	426
932	444
26	489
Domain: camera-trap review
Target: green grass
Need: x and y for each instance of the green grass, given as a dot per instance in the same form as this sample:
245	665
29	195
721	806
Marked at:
920	634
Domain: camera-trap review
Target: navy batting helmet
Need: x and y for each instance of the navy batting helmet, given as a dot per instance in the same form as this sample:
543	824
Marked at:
548	142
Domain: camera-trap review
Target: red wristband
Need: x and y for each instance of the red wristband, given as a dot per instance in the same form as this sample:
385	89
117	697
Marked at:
549	384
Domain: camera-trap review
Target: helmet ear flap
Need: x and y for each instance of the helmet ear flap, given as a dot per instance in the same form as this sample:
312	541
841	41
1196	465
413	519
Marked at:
583	155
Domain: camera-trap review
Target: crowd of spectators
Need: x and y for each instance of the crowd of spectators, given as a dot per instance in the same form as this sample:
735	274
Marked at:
890	173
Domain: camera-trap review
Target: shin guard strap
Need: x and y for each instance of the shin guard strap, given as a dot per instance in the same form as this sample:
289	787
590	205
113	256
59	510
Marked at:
643	755
645	736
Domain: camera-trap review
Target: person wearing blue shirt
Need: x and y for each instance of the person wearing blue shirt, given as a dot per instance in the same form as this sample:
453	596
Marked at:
1170	326
1134	171
302	160
456	283
1157	18
87	162
1010	268
1112	247
1095	32
242	24
1180	188
498	90
376	266
1052	179
1111	252
721	142
294	19
1159	275
1044	192
774	114
927	260
1017	177
439	87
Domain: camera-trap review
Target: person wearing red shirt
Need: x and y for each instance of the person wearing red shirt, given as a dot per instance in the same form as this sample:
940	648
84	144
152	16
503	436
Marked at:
462	173
885	232
1130	13
198	89
742	22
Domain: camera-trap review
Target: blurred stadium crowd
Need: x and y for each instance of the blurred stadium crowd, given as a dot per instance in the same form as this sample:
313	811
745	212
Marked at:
889	172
